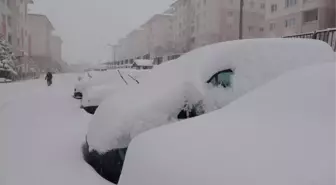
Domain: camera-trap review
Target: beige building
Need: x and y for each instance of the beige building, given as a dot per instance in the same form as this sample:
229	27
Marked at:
159	32
202	22
40	29
183	25
56	48
287	17
5	13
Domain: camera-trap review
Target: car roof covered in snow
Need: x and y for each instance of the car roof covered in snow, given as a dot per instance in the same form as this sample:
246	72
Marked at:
281	133
163	92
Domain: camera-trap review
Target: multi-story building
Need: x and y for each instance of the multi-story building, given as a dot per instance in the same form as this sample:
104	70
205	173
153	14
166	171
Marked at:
253	19
134	45
159	35
5	19
202	22
40	29
287	17
56	49
183	25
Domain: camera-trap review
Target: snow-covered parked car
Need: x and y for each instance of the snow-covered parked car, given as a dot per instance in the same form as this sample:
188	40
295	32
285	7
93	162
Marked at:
198	82
281	133
93	96
96	78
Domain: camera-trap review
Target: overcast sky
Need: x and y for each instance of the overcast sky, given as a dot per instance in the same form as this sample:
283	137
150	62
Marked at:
87	26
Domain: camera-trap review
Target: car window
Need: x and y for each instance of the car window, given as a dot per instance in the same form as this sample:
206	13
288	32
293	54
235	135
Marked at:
225	78
222	78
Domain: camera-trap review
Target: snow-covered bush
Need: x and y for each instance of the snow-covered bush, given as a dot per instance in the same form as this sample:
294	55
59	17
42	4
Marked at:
7	59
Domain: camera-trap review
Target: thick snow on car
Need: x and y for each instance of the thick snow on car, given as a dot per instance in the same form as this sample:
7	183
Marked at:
93	96
199	82
281	133
95	78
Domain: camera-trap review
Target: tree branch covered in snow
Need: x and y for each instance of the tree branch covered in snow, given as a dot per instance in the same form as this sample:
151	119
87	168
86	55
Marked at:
7	58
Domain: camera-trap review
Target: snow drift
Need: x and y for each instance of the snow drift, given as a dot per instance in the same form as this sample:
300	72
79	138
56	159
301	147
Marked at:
282	133
170	86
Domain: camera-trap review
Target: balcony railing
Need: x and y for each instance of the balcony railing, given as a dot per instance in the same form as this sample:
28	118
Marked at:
327	35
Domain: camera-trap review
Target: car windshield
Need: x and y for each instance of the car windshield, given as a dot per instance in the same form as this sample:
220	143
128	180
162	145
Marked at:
82	80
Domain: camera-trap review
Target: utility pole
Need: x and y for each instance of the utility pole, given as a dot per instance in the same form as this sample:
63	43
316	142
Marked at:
241	19
114	51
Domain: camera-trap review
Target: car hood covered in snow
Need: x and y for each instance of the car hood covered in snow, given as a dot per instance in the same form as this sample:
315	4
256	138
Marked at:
281	133
167	88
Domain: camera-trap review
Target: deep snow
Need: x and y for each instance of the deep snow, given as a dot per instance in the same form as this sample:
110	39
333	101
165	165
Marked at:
282	133
160	96
41	131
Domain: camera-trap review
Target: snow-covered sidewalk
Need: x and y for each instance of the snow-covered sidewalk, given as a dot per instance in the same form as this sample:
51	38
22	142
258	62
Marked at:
41	132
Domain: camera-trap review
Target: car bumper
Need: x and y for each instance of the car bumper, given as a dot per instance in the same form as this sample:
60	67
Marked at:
78	95
90	109
107	165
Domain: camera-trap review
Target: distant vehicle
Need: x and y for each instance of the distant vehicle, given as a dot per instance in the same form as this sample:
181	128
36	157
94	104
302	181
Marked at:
198	82
282	133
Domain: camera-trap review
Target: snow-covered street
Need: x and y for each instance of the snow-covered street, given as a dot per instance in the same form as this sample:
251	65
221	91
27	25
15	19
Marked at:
42	129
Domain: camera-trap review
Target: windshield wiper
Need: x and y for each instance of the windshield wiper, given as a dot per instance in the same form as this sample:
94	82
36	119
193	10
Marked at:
133	78
121	76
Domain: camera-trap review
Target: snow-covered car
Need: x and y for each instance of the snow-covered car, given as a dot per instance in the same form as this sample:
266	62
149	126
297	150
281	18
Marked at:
93	96
96	78
201	81
281	133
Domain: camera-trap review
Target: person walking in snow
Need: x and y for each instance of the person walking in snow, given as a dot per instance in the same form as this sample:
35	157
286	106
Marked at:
49	78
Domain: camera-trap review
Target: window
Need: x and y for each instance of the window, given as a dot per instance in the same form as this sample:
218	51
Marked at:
261	29
9	21
290	23
272	26
262	6
311	15
274	8
9	38
222	78
251	4
289	3
250	28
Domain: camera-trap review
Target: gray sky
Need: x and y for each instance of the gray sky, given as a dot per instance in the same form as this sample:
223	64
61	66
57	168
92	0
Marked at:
87	26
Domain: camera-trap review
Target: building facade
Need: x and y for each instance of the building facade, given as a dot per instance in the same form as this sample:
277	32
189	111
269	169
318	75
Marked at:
5	15
159	33
40	29
288	17
56	49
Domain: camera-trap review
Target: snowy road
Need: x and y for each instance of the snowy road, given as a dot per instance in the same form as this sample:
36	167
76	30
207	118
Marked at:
41	130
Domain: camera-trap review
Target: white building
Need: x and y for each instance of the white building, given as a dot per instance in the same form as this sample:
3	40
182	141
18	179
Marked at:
40	29
134	45
56	48
202	22
253	19
159	30
183	25
287	17
5	13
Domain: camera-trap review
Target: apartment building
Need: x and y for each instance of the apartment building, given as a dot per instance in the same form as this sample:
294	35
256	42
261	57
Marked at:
287	17
202	22
40	29
183	24
253	19
159	30
135	44
5	13
56	48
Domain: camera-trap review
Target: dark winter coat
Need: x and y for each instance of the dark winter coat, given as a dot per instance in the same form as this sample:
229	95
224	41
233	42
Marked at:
49	76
